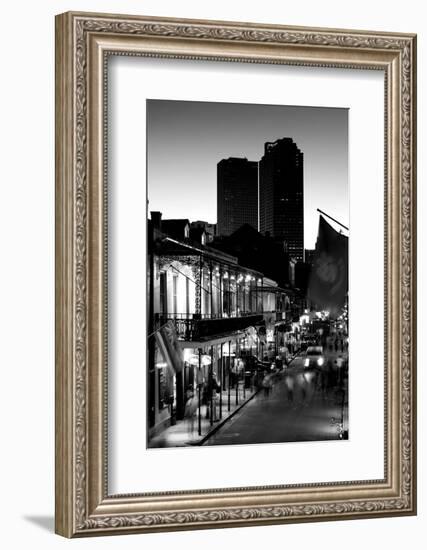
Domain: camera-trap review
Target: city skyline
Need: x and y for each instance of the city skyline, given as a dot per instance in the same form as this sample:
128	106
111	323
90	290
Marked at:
188	139
236	315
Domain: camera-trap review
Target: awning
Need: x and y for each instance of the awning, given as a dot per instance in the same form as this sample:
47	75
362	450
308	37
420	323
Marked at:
212	341
167	340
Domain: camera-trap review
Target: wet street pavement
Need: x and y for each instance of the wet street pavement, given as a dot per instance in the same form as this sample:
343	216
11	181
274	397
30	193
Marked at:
294	410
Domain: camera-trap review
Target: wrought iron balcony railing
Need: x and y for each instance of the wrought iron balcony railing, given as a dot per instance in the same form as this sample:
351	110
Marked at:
196	327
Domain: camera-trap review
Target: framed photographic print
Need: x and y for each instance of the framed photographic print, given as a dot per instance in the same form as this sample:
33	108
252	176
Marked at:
235	274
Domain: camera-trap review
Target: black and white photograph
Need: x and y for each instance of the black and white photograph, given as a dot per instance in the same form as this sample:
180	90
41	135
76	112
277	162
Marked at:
248	229
213	332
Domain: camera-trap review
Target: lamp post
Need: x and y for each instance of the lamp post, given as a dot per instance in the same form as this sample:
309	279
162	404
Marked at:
221	304
237	380
237	296
221	381
211	389
229	375
199	391
210	290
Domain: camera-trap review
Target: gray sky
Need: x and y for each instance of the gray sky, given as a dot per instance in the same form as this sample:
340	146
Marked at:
187	139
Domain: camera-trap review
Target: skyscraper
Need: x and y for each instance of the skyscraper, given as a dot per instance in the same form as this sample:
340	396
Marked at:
281	194
237	194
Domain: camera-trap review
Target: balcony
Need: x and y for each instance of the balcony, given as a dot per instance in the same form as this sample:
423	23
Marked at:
197	327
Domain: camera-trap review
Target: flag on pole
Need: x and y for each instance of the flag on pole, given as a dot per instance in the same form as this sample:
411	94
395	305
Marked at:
328	283
167	340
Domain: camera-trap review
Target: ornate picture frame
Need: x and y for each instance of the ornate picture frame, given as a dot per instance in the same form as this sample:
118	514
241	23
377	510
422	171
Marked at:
83	44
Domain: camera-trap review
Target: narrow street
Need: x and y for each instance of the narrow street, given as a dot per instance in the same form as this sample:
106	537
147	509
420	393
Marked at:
305	414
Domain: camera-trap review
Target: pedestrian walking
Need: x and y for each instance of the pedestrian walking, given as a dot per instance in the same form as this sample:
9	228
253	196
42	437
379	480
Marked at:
290	384
309	384
216	388
211	396
267	384
190	410
327	377
340	369
189	392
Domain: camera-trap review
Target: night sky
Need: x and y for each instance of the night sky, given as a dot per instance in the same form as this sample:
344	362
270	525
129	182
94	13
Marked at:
186	140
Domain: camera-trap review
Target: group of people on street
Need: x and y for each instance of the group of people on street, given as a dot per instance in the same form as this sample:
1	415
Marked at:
303	386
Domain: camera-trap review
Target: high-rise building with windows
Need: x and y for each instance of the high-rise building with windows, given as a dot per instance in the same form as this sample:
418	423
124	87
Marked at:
309	255
237	194
281	194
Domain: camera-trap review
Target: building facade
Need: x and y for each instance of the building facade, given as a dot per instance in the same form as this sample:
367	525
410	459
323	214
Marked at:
237	194
309	256
224	317
258	251
209	228
281	194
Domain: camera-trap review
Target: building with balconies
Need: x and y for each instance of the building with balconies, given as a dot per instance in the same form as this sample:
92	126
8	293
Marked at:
221	313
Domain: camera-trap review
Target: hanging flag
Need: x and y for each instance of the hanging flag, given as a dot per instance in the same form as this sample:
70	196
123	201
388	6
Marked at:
328	284
167	340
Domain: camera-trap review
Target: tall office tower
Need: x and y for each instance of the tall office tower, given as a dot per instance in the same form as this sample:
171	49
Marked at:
281	194
237	195
309	255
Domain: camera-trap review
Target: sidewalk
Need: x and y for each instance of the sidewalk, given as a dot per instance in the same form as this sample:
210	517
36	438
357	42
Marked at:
180	435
